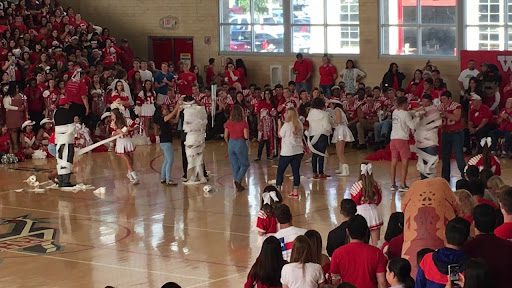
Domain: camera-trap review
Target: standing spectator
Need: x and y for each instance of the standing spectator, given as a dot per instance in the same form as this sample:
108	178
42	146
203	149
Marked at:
236	132
163	80
303	70
200	82
16	113
398	273
186	80
505	230
287	232
35	102
338	236
393	77
433	269
452	134
403	123
242	72
328	75
473	87
145	74
368	269
351	76
135	68
164	121
465	75
318	136
496	252
302	271
292	150
210	72
266	270
127	56
480	120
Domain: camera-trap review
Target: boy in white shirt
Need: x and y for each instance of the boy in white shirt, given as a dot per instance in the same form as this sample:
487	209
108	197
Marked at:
403	122
287	232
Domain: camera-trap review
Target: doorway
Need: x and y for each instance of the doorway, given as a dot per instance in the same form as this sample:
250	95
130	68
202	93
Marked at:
171	49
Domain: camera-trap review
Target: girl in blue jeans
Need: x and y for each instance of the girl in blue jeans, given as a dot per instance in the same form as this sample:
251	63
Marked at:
292	150
166	143
236	132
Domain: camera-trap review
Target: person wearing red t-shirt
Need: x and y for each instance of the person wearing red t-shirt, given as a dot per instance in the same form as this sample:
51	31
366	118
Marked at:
452	134
477	190
36	103
368	269
76	92
242	72
186	80
210	72
303	69
504	130
231	75
505	230
428	88
328	75
480	120
236	132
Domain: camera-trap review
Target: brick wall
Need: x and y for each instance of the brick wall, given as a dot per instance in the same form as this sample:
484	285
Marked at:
138	19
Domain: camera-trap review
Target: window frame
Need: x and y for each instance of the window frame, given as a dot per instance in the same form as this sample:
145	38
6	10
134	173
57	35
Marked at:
418	26
287	32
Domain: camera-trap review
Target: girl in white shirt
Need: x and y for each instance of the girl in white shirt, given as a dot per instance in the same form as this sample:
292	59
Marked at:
292	150
302	272
403	123
318	136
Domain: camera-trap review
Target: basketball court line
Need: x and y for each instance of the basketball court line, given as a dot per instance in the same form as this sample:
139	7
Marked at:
114	266
216	280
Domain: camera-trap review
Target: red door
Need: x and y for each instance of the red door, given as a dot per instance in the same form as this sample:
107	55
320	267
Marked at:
172	50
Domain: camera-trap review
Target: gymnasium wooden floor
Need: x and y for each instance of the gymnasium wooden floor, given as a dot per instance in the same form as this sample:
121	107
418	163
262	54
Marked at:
146	235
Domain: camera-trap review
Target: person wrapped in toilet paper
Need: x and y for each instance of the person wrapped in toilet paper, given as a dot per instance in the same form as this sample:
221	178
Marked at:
194	125
64	141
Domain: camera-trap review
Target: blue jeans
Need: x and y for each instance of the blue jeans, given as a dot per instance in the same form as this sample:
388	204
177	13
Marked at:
431	150
52	149
284	161
382	130
239	157
326	90
302	86
452	142
496	135
166	171
316	160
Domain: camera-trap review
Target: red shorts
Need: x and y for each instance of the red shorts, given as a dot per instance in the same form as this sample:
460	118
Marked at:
400	147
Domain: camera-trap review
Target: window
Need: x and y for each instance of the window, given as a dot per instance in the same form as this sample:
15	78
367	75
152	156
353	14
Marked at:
487	24
309	26
419	27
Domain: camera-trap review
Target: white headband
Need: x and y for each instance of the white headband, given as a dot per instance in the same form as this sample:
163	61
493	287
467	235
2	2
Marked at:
366	169
487	140
269	195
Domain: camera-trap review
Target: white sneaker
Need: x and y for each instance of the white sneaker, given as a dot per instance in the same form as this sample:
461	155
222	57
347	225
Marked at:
345	170
157	139
135	179
130	177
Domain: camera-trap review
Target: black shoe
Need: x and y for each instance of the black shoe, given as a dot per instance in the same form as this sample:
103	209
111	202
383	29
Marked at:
257	159
64	181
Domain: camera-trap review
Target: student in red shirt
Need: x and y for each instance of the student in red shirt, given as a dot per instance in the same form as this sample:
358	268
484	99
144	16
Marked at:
186	80
231	75
236	132
505	230
328	75
242	72
368	269
480	120
303	69
477	190
210	72
504	130
452	135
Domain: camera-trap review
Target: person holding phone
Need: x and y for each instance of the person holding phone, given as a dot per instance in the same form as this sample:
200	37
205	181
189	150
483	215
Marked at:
476	274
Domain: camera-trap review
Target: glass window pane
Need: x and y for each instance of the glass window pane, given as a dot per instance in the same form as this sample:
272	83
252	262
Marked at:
443	13
307	12
231	12
399	12
438	41
235	39
310	40
269	39
397	40
343	12
267	12
343	39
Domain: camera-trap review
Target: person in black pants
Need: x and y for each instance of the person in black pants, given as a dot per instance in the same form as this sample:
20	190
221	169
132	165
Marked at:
318	133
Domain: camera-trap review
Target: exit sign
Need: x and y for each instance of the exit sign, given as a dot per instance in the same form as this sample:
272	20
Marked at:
169	22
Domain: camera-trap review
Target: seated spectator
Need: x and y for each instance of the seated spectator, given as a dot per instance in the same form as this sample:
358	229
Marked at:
266	270
367	118
476	274
477	190
472	172
318	257
494	185
433	269
302	272
338	236
421	253
480	120
171	285
462	184
505	230
398	273
368	269
287	232
504	130
394	236
466	204
495	251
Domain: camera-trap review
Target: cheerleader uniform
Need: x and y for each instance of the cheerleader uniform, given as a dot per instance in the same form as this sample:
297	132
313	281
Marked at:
341	131
29	141
148	106
124	144
478	161
116	103
366	208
